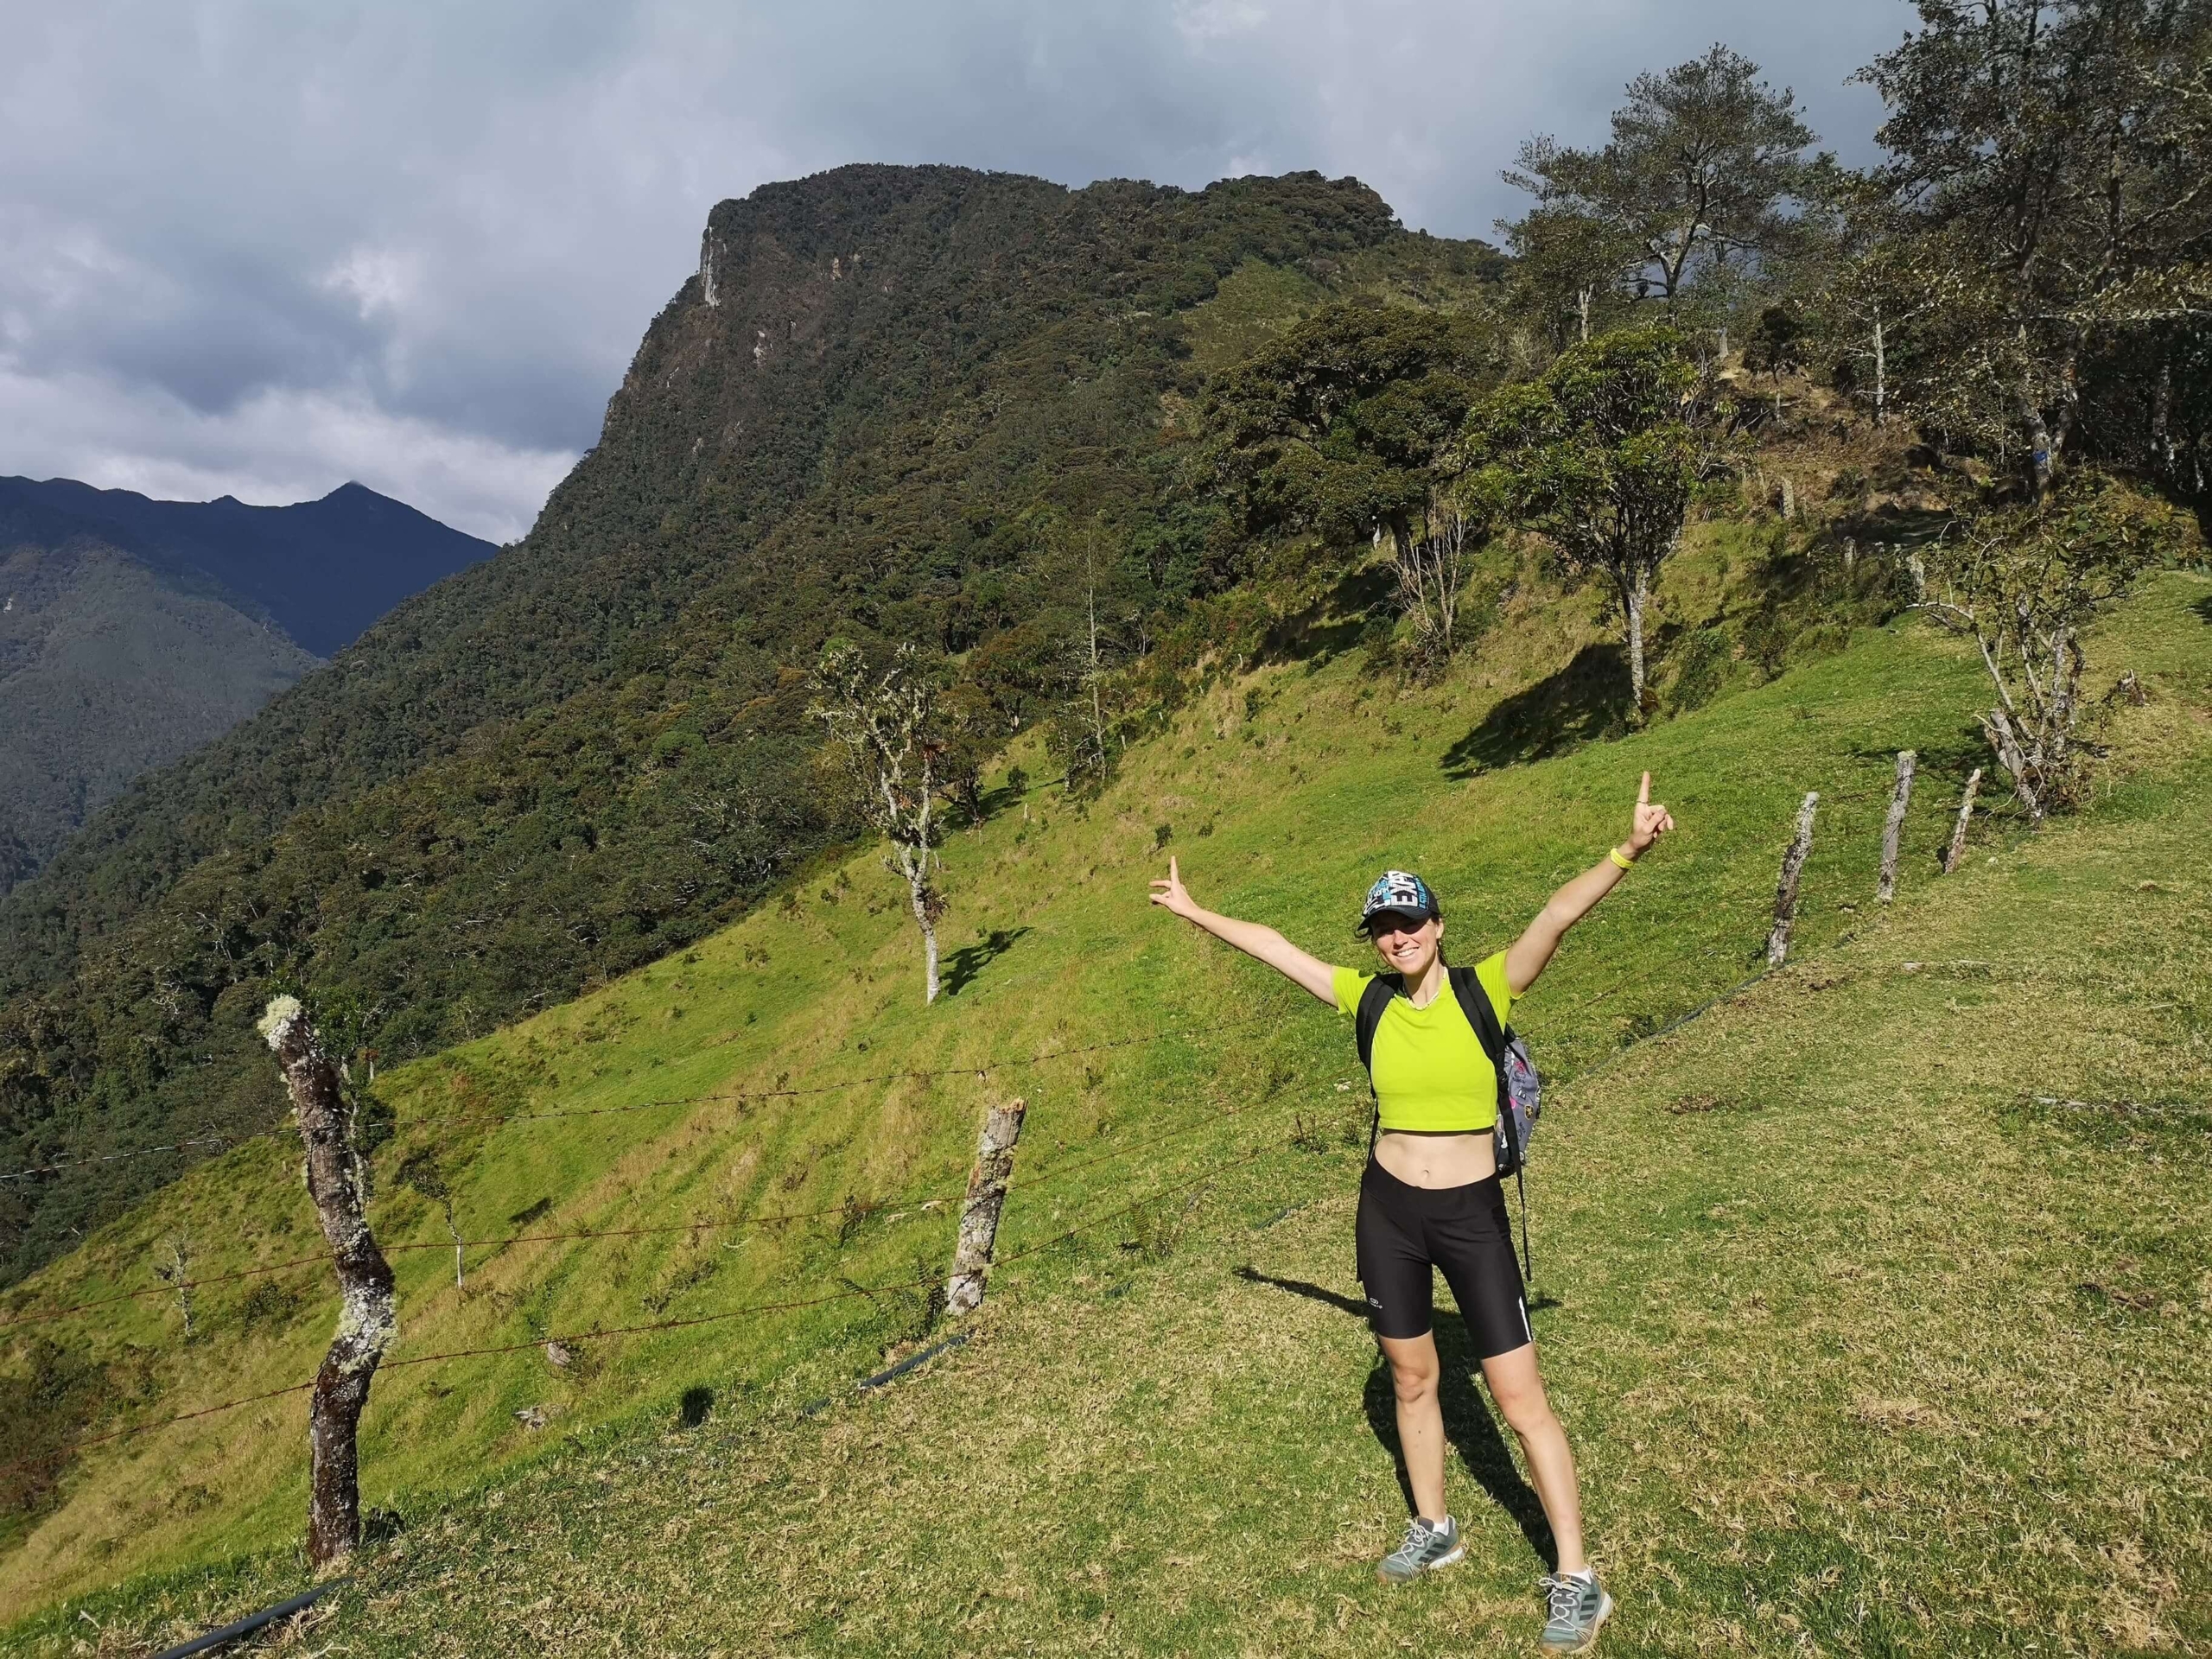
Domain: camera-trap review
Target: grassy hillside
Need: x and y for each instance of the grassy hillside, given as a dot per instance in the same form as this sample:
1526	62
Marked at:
1854	1331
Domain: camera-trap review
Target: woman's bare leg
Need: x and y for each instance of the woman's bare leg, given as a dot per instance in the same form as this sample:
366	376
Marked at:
1519	1390
1415	1372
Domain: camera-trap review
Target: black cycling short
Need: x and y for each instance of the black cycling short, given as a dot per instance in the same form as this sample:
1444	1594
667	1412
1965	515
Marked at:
1404	1232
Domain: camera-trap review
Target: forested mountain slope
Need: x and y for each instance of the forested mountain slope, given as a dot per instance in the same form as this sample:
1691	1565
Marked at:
132	631
109	667
877	405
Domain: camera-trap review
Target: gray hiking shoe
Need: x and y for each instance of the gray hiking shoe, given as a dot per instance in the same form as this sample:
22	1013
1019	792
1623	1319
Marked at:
1579	1606
1426	1547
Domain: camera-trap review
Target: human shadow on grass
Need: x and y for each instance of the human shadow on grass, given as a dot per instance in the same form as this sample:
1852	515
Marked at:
1584	702
969	960
1468	1423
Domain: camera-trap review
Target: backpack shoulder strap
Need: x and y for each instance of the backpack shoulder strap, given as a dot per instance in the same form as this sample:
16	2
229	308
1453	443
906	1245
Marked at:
1374	1002
1474	1002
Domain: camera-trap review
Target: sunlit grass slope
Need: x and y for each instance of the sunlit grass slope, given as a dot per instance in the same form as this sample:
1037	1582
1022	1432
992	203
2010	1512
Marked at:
1864	1345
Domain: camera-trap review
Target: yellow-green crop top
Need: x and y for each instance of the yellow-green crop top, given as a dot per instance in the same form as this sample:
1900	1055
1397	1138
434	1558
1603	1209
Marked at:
1431	1075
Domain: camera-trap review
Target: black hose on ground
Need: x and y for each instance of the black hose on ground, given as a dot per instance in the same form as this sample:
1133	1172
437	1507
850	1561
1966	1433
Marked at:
229	1633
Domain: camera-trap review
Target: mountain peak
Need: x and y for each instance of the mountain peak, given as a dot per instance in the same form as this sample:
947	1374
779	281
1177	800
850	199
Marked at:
325	570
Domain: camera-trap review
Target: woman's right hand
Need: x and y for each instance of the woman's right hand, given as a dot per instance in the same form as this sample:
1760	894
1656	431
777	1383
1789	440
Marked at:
1172	894
1262	943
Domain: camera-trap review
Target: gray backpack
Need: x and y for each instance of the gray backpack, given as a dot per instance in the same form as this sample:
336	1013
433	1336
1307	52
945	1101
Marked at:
1520	1092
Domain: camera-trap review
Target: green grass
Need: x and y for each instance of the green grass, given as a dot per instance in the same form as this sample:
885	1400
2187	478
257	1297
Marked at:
1864	1345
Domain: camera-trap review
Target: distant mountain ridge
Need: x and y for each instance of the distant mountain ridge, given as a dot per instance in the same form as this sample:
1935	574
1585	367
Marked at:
323	570
133	631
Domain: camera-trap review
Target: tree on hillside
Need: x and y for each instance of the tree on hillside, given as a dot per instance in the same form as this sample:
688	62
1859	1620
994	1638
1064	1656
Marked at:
2024	582
1775	345
1086	730
1601	457
1339	428
1869	300
2048	161
886	730
1569	268
1702	171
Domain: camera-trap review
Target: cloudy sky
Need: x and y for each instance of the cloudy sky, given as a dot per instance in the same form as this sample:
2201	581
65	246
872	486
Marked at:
262	248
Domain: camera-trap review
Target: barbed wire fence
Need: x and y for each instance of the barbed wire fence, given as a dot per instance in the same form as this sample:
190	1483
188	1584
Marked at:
981	1068
762	1309
723	1316
909	1205
871	1203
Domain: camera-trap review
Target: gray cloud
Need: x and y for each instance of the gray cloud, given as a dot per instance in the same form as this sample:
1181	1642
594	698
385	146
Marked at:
262	248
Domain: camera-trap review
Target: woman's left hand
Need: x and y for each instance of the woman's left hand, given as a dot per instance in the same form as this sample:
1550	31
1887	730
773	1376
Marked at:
1652	821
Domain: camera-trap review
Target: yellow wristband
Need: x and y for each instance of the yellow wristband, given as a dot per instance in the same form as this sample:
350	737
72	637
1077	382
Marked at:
1614	852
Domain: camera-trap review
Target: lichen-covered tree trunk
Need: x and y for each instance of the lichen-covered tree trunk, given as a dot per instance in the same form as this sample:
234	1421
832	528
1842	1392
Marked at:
1881	370
2018	762
913	863
2039	448
979	1214
915	868
1956	855
338	1182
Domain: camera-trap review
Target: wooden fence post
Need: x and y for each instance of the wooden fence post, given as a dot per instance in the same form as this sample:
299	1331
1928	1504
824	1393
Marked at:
1957	848
1886	889
337	1181
1785	891
979	1215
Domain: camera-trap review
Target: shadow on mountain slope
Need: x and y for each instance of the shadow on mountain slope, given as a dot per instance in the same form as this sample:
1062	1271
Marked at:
1586	699
1334	623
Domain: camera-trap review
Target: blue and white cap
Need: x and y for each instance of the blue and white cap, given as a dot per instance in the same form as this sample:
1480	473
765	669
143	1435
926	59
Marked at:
1401	891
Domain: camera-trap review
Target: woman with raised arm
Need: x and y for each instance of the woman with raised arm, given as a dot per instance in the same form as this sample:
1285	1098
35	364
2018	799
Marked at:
1430	1196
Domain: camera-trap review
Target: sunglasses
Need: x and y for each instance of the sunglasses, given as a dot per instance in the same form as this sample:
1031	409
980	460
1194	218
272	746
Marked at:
1394	921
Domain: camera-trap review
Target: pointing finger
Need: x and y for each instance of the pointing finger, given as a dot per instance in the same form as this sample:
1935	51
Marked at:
1173	874
1643	791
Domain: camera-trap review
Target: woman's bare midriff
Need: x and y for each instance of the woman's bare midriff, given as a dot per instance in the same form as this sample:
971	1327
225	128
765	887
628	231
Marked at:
1437	1160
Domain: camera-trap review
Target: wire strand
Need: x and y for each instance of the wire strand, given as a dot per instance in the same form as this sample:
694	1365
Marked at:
744	1095
739	1095
868	1207
753	1310
118	1157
